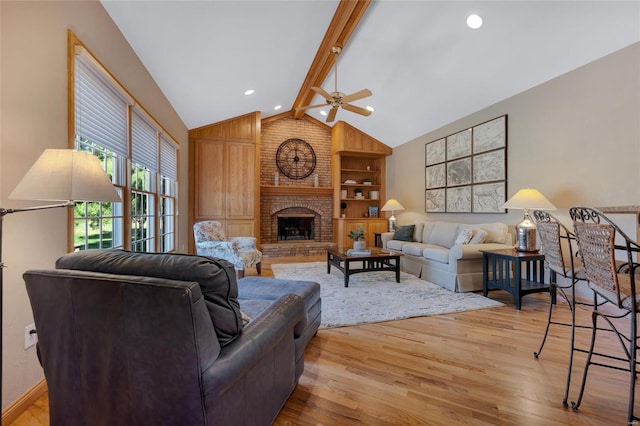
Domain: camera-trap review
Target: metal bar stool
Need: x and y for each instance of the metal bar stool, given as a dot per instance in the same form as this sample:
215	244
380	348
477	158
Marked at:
614	282
556	242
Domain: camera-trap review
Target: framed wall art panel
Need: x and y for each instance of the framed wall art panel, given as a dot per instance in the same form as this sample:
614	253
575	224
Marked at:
488	198
466	172
459	199
435	201
435	152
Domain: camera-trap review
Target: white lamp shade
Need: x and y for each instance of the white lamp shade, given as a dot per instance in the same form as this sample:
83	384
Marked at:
392	205
528	199
66	175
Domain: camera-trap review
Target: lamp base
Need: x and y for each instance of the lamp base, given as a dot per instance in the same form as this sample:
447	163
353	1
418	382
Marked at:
392	223
526	235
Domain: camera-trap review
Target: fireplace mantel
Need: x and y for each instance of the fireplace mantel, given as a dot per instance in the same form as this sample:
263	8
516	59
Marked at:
296	191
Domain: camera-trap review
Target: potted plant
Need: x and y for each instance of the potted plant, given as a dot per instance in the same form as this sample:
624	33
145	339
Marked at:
357	236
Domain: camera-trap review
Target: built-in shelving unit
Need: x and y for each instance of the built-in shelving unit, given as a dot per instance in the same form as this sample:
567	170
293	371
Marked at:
359	166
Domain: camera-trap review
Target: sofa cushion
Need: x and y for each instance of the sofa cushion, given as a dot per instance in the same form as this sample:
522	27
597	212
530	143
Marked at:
414	249
464	236
437	253
252	308
496	232
417	231
396	244
444	234
404	233
426	232
216	277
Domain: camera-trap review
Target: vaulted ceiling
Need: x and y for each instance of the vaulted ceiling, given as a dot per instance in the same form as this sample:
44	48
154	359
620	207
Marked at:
425	67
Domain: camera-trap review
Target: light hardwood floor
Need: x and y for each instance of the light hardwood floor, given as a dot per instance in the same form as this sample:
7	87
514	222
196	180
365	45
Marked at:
473	367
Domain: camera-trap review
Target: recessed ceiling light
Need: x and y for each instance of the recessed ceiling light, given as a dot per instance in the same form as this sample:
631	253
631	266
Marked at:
277	107
370	108
323	112
249	92
474	21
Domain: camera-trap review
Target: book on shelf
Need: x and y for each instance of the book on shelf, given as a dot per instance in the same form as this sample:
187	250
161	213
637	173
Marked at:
353	252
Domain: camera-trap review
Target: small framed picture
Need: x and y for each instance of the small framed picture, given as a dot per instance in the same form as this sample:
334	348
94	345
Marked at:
373	211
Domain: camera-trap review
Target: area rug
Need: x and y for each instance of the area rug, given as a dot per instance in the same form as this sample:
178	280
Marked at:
376	297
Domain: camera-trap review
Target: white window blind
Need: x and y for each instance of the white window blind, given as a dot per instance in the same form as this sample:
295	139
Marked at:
144	142
100	111
168	159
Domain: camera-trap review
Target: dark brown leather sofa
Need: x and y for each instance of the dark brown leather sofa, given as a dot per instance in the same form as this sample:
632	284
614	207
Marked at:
157	339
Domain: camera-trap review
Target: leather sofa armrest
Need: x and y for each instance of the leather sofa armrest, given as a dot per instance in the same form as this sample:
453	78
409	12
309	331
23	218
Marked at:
259	337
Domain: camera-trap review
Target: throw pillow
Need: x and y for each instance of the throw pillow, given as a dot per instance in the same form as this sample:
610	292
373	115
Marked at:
479	235
404	233
464	236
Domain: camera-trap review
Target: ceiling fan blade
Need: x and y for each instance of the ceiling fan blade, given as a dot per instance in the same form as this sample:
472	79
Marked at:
356	109
357	95
310	106
320	91
332	114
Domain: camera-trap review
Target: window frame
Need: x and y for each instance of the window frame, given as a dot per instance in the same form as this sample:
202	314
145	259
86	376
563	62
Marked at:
163	222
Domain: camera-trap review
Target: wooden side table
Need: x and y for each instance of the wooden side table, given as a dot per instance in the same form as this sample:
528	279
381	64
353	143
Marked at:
377	237
497	269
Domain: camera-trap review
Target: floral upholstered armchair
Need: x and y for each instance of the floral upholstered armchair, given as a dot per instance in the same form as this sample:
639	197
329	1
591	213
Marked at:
241	251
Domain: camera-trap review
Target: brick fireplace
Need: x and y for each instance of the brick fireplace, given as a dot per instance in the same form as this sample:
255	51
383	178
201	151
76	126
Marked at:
287	205
295	198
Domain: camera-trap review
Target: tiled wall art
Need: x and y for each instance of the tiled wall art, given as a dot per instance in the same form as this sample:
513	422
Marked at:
466	172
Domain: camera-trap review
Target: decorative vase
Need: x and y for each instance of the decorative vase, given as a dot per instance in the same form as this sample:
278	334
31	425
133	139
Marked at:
359	245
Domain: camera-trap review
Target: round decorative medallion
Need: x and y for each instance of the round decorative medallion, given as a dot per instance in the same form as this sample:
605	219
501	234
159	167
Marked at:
296	159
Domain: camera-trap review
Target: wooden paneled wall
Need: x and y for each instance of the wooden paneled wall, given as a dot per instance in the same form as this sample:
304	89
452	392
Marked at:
224	168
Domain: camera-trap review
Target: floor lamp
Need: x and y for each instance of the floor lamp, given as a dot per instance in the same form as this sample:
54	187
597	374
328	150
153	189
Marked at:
58	175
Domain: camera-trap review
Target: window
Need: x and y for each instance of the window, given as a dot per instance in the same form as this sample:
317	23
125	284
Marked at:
144	167
99	225
139	157
167	193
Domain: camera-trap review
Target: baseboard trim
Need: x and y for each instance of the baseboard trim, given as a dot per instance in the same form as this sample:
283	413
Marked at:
23	403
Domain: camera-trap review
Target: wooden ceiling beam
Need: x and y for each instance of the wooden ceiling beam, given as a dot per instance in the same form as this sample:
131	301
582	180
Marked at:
344	22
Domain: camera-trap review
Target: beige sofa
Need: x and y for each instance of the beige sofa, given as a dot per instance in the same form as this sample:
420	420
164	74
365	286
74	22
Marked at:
446	253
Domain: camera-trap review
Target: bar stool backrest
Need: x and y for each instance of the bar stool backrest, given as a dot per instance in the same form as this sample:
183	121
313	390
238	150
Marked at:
553	235
596	236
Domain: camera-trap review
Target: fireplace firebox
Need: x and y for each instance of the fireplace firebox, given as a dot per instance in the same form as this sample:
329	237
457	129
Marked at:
296	227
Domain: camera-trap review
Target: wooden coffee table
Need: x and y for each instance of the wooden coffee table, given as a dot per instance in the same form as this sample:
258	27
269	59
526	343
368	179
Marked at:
378	260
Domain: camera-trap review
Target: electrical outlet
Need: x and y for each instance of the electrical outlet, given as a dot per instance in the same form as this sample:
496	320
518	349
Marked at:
30	336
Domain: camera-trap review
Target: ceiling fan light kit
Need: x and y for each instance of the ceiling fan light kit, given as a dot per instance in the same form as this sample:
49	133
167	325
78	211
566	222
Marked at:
338	99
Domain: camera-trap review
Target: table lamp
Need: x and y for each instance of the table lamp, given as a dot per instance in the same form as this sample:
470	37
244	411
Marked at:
526	230
392	205
58	175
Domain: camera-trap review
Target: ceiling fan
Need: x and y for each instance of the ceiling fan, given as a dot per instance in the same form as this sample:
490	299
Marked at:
338	99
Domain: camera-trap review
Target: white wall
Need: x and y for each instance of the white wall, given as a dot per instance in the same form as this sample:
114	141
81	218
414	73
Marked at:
33	117
575	138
